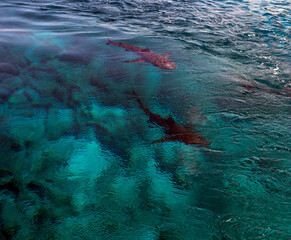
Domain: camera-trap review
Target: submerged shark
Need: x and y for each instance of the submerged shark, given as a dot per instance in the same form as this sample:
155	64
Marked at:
174	131
147	55
286	91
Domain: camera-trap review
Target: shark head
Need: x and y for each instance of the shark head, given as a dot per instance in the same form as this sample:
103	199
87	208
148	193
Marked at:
169	65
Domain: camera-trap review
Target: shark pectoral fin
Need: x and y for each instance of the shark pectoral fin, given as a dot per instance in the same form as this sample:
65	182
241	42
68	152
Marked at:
146	50
166	55
139	60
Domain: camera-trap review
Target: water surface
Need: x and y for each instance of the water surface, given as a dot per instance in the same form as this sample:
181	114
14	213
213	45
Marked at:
76	154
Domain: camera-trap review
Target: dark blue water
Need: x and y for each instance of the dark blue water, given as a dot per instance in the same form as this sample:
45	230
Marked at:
77	152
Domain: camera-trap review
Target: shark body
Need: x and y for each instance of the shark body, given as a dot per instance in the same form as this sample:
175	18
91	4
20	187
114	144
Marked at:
174	131
147	55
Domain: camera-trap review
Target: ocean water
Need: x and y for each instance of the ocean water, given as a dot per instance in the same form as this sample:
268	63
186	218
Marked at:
80	158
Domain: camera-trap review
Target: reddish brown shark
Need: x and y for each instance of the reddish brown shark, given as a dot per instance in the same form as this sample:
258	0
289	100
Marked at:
174	131
147	55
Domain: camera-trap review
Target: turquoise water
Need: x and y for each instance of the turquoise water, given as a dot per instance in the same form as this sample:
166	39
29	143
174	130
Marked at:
77	158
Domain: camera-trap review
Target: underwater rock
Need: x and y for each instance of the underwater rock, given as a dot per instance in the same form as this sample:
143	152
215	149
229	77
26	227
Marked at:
59	121
4	92
28	129
12	83
76	78
5	75
10	218
88	162
178	160
11	148
50	154
126	190
24	96
76	96
8	184
77	57
44	46
44	88
9	144
44	81
100	83
44	52
60	94
82	226
139	232
9	68
85	165
18	97
113	119
163	188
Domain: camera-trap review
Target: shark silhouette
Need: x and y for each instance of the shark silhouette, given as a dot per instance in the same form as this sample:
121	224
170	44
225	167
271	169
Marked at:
147	55
174	131
285	91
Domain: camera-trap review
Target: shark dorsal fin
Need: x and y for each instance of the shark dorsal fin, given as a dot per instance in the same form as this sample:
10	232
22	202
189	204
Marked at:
146	50
171	120
166	55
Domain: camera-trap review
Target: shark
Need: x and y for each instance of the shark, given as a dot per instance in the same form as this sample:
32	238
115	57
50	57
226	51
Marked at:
174	131
146	55
285	91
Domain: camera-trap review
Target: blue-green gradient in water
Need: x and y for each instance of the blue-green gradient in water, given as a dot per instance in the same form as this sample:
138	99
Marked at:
76	154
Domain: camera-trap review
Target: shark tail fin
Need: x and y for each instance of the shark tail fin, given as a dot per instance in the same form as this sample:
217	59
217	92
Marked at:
109	41
137	98
134	93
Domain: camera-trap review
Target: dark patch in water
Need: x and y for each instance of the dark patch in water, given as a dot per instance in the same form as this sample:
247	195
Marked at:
4	92
5	173
9	68
10	186
231	103
70	101
172	168
27	95
58	94
37	188
7	233
101	85
75	57
42	105
9	143
168	235
15	147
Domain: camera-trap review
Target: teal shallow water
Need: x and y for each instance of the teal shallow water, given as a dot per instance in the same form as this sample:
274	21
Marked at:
76	154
